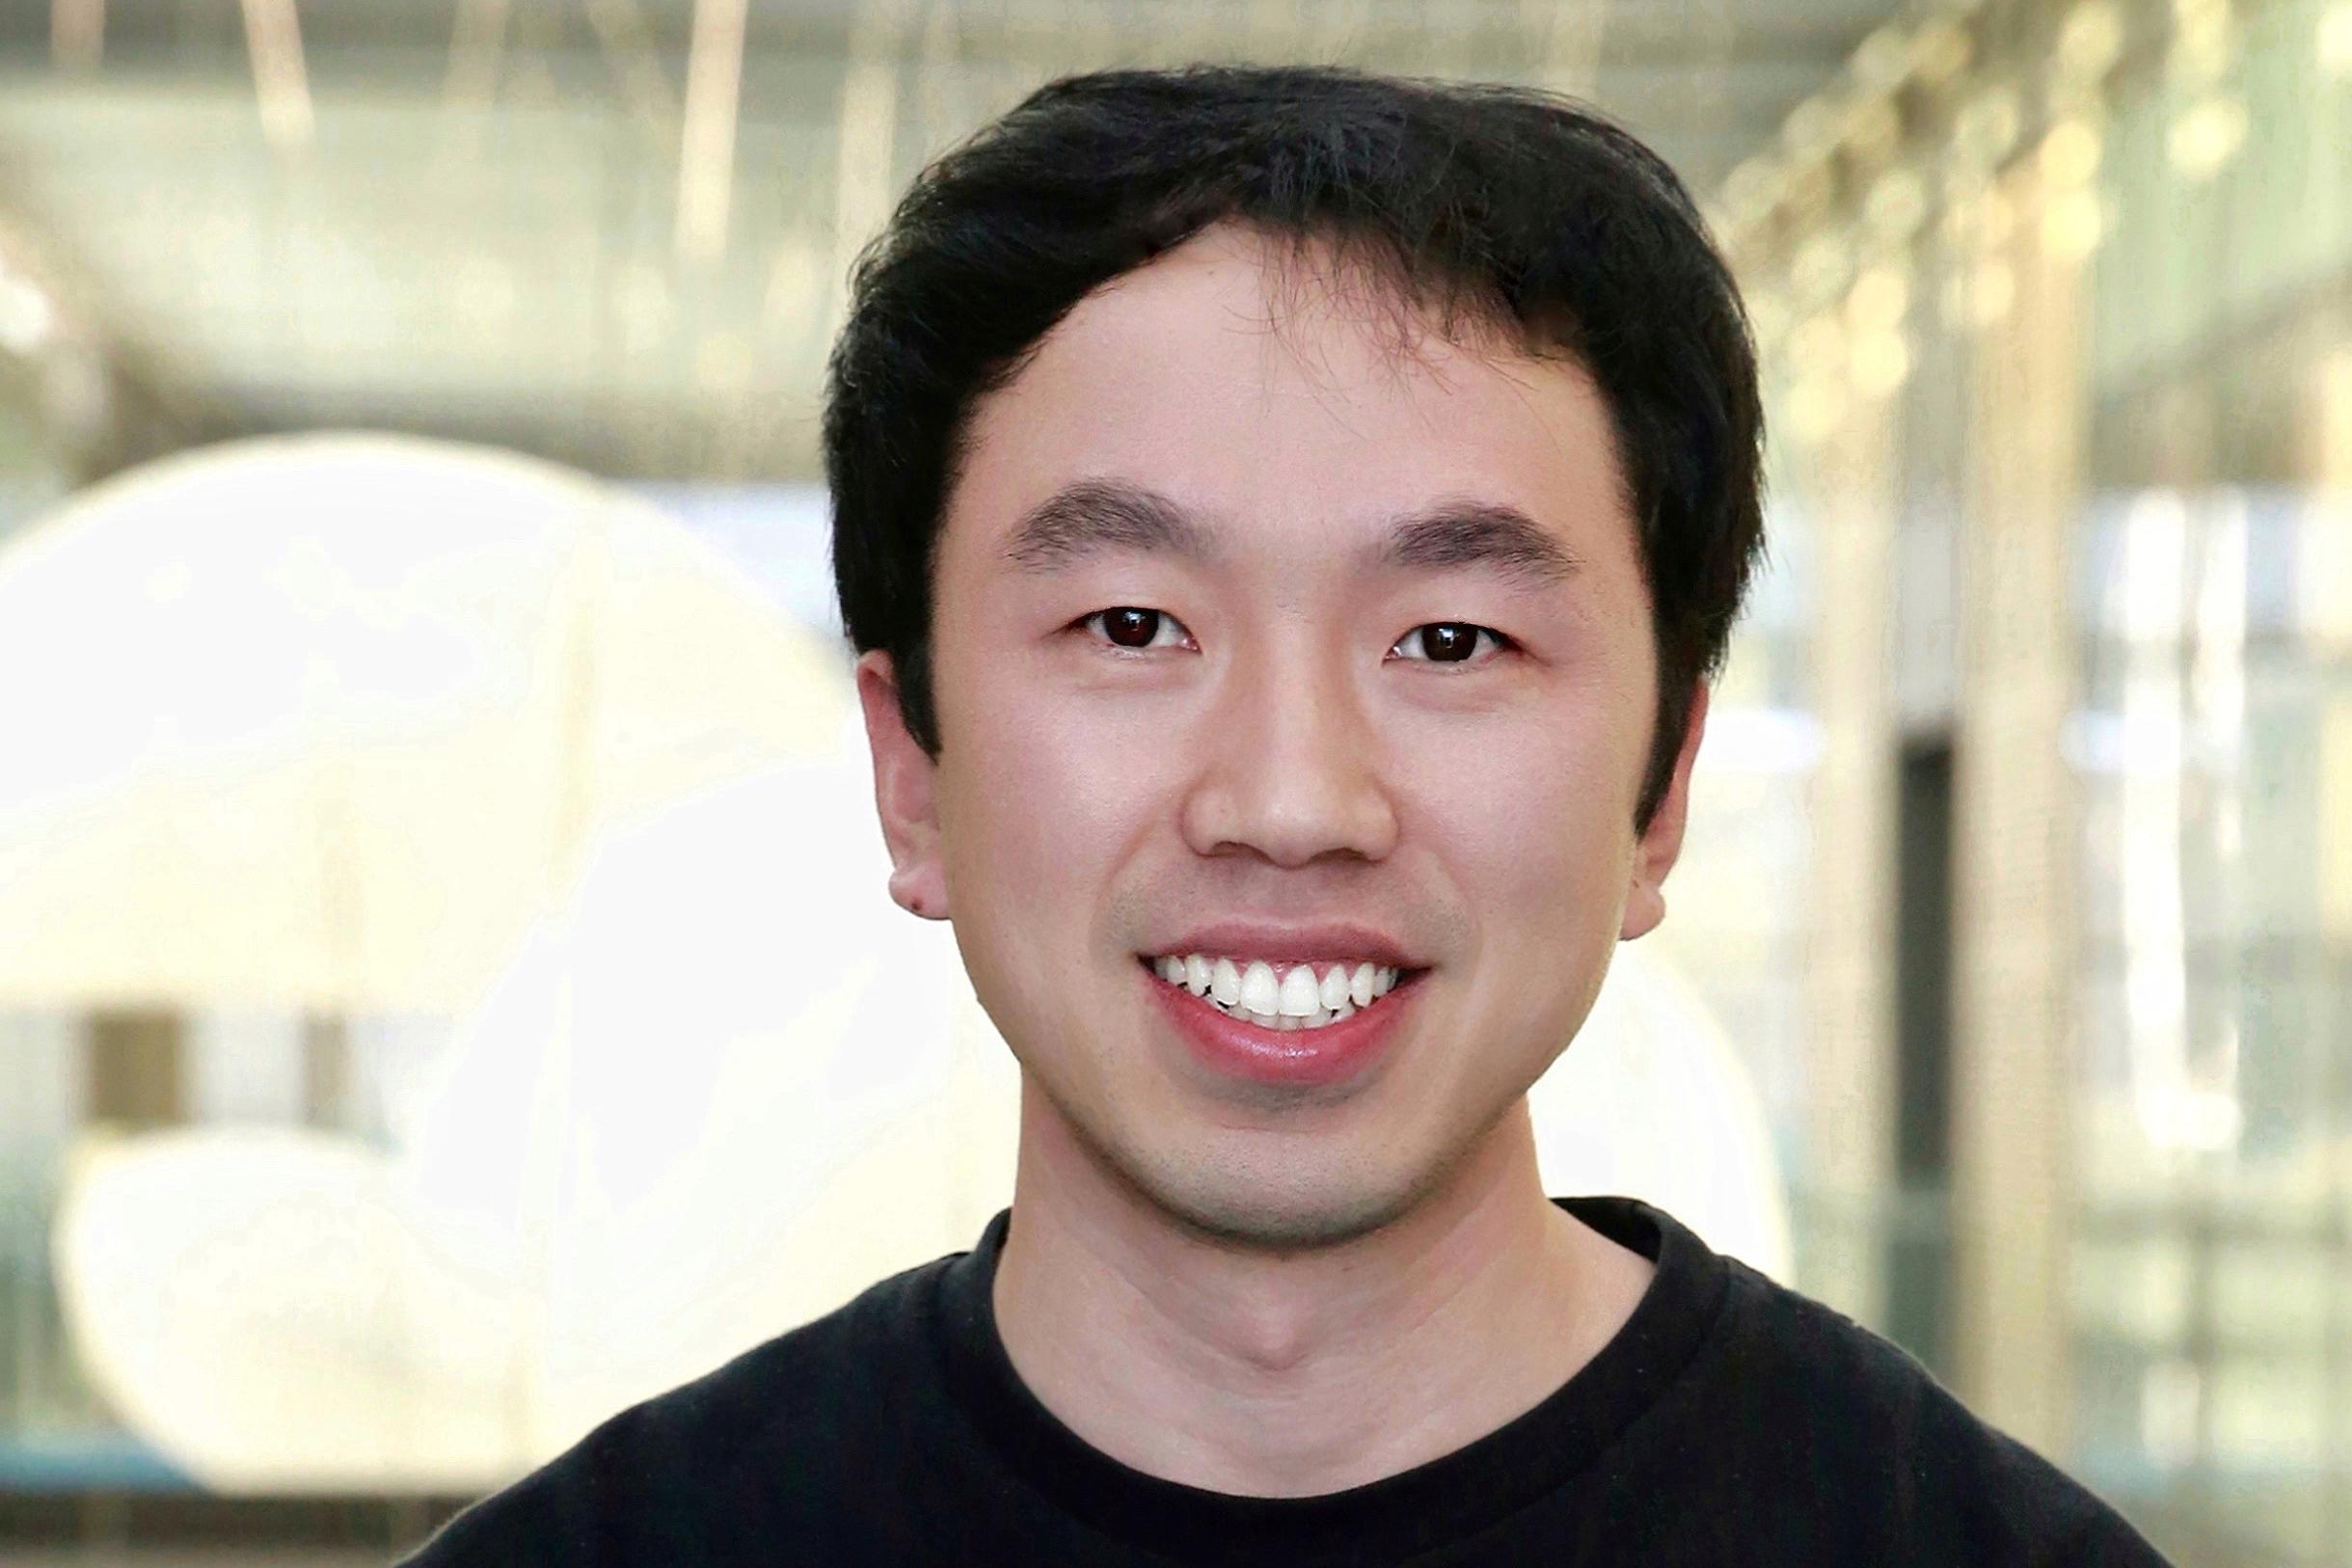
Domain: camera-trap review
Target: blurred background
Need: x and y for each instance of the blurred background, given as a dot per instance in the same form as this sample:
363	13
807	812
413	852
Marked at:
409	910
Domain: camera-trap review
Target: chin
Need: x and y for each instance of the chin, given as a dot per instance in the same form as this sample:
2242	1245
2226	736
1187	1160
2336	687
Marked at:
1263	1201
1252	1187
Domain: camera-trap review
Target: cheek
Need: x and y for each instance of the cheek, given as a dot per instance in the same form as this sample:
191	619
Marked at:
1040	803
1546	874
1541	826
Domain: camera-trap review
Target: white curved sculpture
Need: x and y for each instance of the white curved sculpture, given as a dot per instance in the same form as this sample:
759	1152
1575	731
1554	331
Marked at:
256	1304
328	720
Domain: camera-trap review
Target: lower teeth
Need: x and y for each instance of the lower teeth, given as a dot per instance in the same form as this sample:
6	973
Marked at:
1315	1020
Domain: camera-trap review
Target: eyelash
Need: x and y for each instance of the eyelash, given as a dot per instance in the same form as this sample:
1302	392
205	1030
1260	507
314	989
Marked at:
1503	644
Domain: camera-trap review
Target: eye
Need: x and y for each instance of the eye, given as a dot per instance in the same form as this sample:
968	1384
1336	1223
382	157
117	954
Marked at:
1448	643
1136	629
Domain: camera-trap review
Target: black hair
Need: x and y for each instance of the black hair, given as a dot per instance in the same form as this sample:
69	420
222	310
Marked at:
1525	210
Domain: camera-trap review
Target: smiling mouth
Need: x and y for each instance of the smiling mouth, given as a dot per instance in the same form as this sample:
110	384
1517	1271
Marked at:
1287	1016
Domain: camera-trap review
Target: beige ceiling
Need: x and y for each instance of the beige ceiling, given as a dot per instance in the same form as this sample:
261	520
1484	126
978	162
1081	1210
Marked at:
541	220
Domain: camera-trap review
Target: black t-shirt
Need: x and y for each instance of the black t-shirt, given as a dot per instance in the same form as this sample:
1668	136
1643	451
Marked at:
1730	1421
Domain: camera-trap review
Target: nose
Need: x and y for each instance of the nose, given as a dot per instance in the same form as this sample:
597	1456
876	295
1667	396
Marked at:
1289	768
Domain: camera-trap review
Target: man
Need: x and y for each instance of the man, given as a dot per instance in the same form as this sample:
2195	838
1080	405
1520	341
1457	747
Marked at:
1289	520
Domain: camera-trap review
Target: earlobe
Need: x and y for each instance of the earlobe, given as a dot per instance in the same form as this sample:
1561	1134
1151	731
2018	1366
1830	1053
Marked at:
904	797
1644	908
1660	842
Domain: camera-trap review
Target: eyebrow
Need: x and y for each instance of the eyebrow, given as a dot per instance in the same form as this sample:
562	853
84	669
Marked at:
1093	516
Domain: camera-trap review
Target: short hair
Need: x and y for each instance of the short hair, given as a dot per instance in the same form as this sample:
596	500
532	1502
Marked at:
1520	209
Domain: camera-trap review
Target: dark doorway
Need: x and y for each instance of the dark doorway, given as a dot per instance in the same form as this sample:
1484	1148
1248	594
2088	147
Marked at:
1920	1244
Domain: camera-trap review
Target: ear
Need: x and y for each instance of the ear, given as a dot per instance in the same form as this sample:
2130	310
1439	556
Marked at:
902	794
1662	842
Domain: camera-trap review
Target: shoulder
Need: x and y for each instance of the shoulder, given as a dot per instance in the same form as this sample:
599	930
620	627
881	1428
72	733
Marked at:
1853	1416
660	1480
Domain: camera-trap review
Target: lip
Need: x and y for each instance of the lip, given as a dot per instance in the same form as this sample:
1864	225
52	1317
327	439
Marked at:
1304	1058
1322	942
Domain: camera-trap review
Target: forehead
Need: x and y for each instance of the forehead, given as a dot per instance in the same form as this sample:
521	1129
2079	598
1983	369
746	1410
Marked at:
1297	397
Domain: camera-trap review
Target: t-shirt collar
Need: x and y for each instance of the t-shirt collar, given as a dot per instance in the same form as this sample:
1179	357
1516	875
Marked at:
1416	1510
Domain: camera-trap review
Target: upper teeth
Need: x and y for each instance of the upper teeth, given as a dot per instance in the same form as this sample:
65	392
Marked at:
1304	995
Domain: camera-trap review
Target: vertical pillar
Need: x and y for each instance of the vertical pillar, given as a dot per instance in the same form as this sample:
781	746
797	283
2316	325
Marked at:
1849	970
2015	848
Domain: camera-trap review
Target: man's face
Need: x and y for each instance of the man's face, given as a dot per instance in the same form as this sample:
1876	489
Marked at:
1283	729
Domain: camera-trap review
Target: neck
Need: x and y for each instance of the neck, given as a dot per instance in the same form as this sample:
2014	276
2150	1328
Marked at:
1290	1376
